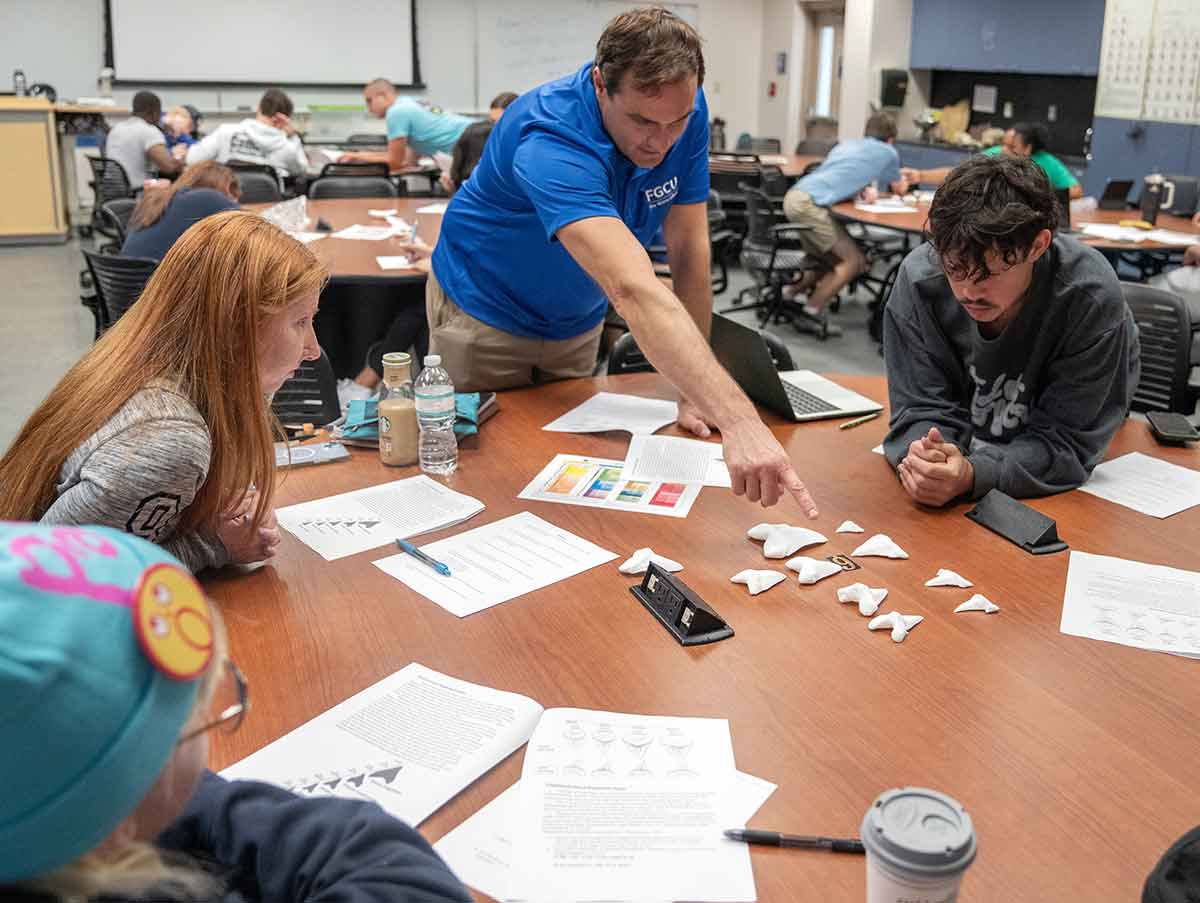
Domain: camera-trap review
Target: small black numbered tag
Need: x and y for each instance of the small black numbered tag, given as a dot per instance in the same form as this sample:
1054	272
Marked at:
845	562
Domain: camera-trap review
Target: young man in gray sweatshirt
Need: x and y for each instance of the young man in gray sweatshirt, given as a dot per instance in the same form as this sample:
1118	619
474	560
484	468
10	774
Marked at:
1011	355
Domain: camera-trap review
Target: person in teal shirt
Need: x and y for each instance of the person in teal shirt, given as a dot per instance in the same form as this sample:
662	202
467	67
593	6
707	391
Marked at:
1024	139
414	128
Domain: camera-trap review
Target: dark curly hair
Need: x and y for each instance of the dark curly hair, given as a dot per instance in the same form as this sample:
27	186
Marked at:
998	204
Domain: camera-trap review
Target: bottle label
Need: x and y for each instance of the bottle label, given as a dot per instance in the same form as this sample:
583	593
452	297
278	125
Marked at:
439	404
385	425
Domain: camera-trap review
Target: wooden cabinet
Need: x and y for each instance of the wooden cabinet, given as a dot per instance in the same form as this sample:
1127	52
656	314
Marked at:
31	191
1061	37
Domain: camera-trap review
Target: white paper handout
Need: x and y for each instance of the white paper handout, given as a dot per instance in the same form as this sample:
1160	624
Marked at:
410	743
496	562
353	522
611	411
384	213
399	262
677	459
880	207
1146	484
479	850
434	208
308	238
600	483
627	807
359	232
1149	606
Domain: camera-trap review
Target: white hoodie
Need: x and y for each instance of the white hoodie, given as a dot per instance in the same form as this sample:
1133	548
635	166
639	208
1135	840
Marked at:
251	141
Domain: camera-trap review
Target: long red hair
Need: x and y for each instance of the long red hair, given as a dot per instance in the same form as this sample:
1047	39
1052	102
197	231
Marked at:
196	326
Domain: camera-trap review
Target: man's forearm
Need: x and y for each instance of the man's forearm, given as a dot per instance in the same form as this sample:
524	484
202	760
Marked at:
668	334
691	274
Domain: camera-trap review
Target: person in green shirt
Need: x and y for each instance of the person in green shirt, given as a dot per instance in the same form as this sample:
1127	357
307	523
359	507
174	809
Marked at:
1024	139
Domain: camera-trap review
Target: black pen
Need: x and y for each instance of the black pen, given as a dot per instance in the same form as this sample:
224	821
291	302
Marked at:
775	839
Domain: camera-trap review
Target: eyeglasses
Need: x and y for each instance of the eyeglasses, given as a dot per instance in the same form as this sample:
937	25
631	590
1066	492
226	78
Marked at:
231	717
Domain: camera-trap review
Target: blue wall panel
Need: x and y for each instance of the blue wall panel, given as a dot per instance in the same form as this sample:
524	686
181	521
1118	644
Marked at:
1162	146
1050	36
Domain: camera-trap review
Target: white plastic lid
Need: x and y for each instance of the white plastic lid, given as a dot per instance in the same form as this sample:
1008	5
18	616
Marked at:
433	360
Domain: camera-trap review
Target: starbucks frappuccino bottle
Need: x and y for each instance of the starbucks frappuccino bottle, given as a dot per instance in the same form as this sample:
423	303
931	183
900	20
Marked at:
397	412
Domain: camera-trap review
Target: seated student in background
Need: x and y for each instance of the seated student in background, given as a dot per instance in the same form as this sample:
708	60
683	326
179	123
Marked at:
998	330
108	725
269	138
164	427
414	128
500	103
165	213
850	167
409	327
179	126
1024	139
138	144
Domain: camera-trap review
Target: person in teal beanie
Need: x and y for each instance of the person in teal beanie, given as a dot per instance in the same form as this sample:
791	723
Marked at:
111	659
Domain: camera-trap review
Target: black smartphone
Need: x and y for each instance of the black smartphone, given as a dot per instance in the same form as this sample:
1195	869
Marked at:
1171	428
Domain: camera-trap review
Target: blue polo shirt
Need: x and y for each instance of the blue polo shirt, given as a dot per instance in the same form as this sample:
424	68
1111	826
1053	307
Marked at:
850	167
429	130
548	163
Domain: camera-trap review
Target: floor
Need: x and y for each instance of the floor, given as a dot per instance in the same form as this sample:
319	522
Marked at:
50	330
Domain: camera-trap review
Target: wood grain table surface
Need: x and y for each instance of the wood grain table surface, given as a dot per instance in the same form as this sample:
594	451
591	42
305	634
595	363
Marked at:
1074	757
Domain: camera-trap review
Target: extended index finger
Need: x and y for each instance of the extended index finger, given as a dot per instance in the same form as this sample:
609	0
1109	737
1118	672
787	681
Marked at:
795	486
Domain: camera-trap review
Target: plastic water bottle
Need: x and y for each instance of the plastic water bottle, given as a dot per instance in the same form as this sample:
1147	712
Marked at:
437	447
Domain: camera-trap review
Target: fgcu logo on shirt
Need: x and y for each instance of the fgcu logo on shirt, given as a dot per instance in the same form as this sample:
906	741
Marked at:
664	193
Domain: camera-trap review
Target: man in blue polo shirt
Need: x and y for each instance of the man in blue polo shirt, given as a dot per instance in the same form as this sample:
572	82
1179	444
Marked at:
551	227
414	128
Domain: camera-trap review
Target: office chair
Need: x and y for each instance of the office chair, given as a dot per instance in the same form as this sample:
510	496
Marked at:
119	282
308	397
354	170
626	357
365	139
749	143
1165	337
819	146
109	182
774	254
351	187
115	214
726	173
259	182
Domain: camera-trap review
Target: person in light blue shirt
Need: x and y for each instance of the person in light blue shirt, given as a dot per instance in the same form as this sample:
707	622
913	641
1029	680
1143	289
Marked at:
867	163
551	228
414	128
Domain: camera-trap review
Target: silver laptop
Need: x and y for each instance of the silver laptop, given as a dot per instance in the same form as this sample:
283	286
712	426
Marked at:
796	394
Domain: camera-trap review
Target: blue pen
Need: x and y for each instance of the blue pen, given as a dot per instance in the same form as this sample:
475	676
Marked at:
421	556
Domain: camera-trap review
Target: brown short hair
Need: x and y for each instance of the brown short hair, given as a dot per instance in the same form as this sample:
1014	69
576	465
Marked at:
653	45
881	125
502	100
275	101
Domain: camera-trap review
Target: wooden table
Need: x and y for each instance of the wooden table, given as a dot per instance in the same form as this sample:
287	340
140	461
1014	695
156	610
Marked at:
352	260
913	222
1074	757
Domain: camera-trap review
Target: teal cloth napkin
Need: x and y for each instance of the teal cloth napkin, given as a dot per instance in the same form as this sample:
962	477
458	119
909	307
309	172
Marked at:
362	417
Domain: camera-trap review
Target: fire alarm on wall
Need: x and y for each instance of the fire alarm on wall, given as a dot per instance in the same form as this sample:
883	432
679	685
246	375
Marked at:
770	89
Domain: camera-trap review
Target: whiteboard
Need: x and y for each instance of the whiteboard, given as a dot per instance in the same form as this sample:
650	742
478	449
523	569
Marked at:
524	43
263	41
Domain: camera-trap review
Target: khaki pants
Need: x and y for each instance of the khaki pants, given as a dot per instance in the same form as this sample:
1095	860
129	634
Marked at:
823	230
481	358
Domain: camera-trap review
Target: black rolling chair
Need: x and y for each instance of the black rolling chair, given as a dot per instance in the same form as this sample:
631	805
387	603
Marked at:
819	146
115	215
774	254
1165	336
259	182
722	241
351	187
726	173
109	182
759	145
365	139
355	170
626	357
119	282
308	397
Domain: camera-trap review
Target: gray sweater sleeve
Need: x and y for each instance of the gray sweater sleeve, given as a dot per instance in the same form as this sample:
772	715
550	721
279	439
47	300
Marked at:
140	479
925	384
1084	403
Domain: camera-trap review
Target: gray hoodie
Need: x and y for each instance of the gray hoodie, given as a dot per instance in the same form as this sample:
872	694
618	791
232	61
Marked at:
1045	396
251	141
